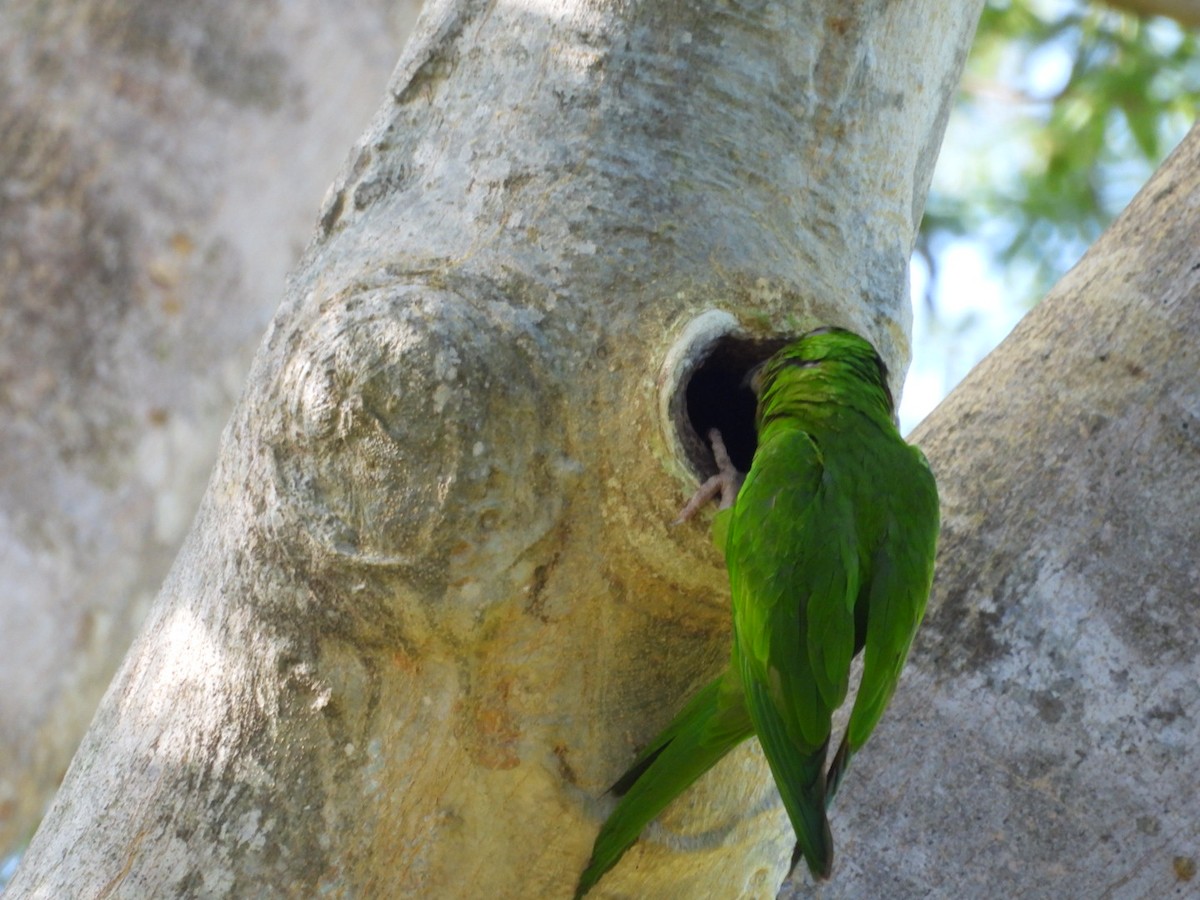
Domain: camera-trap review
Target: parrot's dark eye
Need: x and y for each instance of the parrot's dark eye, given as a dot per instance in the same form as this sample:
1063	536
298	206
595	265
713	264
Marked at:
719	397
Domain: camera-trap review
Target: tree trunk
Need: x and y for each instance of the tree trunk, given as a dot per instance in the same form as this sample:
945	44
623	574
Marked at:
1045	741
159	163
432	603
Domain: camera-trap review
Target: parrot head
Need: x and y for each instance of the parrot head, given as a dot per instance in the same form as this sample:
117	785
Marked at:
840	362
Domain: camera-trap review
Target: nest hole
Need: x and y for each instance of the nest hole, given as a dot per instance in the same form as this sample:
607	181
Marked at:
717	395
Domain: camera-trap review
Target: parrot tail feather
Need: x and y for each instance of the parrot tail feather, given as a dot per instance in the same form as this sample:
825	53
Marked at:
804	798
693	743
623	784
800	776
837	769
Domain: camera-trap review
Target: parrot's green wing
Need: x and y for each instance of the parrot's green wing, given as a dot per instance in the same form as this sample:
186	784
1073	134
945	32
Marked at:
793	574
720	528
901	572
713	723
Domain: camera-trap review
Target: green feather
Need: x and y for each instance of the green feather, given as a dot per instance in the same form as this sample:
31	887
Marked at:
712	724
830	548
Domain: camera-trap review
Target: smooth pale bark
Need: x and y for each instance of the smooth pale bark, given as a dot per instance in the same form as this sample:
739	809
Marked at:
159	164
432	601
1045	739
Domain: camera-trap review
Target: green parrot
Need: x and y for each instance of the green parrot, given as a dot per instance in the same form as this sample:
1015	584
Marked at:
830	548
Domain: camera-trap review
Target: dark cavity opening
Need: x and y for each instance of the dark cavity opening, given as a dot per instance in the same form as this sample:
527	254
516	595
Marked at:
717	396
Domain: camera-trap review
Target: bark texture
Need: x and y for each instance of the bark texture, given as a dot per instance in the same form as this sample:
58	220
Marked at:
160	163
432	603
1045	741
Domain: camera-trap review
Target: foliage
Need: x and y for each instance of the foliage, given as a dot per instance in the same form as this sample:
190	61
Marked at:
1065	111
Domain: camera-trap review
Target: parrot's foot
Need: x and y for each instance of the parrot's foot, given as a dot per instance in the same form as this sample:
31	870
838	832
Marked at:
727	482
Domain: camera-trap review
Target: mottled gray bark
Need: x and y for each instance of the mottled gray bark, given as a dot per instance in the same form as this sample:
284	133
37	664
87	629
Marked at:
1045	739
432	601
159	164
